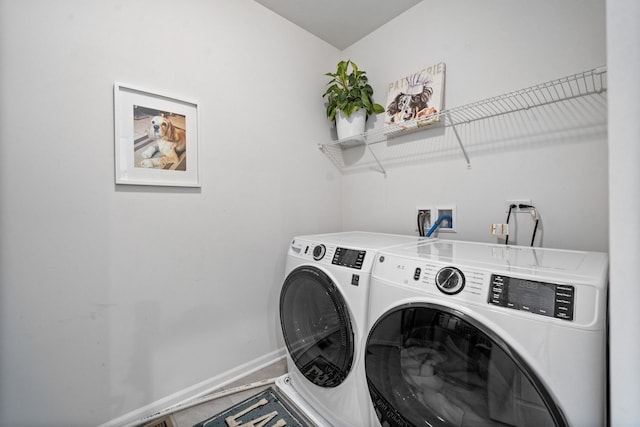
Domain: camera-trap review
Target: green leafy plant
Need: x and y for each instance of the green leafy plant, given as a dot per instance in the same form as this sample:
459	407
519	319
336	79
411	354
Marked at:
349	91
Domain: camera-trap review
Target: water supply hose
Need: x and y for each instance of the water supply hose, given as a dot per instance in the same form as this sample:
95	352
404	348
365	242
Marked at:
437	223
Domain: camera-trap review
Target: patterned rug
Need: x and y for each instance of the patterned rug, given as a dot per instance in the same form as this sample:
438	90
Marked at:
265	409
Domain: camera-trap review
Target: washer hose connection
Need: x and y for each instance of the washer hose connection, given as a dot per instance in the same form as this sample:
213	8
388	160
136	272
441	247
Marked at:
437	224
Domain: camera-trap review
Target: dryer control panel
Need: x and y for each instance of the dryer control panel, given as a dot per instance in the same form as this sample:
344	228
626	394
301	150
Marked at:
351	258
546	299
327	254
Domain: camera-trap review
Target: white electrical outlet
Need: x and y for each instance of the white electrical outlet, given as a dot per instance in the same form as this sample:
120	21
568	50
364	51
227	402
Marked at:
515	202
500	230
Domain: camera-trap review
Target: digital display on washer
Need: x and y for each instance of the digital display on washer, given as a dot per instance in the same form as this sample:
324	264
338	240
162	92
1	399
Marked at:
349	258
546	299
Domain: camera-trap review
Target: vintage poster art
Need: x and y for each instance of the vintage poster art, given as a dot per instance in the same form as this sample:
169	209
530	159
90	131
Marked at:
156	139
416	100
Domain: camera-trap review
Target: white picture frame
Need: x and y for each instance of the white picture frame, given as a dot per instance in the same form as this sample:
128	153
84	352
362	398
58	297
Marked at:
143	152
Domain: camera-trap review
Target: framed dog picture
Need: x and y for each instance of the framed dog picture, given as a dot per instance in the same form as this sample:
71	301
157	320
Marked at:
156	138
416	100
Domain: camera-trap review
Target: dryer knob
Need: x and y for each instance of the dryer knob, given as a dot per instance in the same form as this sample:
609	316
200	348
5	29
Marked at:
450	280
318	252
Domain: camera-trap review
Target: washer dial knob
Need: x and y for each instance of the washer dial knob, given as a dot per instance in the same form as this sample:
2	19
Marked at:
450	280
318	252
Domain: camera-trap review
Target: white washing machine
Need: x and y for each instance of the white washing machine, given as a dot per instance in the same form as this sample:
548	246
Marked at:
323	314
477	334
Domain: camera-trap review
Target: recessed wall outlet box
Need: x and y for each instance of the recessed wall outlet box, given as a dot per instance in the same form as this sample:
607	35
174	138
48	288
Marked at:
447	225
424	214
516	202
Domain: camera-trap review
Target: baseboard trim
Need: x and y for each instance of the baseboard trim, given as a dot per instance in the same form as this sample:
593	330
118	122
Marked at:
198	390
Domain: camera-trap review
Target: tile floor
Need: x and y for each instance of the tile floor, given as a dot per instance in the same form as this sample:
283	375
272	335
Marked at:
191	416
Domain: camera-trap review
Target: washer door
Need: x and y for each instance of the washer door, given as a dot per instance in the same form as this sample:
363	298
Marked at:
427	364
316	326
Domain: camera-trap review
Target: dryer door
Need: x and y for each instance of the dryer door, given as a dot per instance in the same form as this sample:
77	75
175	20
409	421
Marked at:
427	364
316	326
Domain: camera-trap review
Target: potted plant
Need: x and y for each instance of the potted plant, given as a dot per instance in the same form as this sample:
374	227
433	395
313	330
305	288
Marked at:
349	99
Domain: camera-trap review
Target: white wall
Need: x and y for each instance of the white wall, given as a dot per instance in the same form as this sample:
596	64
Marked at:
113	297
490	48
624	133
93	323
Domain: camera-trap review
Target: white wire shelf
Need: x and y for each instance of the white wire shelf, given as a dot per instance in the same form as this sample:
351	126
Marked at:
575	103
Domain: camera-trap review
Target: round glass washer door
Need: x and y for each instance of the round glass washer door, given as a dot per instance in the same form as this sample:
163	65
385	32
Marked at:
431	365
316	326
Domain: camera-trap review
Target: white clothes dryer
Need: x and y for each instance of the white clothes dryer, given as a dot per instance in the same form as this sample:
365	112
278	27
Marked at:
478	334
323	314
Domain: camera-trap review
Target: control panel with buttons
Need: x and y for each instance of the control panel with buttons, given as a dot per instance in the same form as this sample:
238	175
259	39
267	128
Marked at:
546	299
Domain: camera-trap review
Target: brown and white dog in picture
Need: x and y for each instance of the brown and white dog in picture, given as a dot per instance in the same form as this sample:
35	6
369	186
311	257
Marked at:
171	141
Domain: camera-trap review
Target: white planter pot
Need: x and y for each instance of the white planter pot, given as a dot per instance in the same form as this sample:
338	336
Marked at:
352	126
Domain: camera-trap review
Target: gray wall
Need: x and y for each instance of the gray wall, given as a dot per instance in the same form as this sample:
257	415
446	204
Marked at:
491	48
114	297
